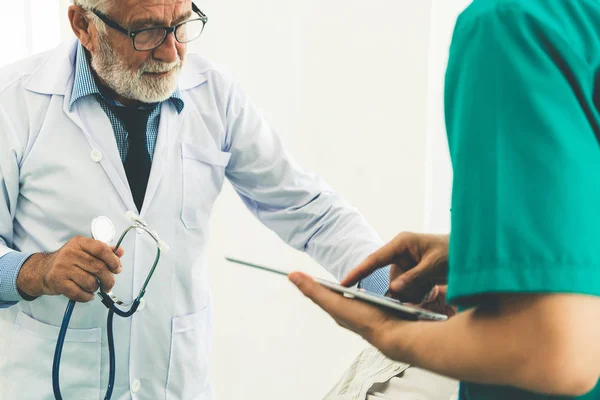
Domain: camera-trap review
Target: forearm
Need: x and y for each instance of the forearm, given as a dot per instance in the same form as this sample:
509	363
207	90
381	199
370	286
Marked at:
496	348
326	227
297	205
464	348
340	237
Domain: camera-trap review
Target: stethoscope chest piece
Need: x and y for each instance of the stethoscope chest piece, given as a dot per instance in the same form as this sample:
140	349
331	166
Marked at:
103	230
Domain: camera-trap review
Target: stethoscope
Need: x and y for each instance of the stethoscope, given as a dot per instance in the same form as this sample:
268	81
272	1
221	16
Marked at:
103	230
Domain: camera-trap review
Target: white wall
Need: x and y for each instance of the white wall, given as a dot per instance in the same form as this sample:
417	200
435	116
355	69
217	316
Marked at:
33	27
438	185
345	83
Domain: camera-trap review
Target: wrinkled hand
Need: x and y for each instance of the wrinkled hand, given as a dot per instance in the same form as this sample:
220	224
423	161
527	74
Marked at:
419	263
73	271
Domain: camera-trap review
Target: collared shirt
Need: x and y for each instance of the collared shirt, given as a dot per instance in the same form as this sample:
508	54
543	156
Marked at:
85	85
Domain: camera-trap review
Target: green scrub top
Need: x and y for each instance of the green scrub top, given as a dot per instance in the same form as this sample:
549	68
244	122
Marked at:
522	99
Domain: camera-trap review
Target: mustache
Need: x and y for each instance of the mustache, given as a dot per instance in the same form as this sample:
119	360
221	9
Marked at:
158	67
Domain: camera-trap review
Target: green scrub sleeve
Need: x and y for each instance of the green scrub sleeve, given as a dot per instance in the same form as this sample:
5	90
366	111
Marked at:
523	135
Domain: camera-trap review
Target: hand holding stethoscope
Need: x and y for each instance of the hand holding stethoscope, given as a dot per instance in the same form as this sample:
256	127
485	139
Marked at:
103	230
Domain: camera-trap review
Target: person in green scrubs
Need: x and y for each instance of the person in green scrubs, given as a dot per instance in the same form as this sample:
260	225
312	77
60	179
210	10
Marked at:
523	123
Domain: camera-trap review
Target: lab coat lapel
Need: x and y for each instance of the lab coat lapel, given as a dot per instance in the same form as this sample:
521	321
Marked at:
88	115
95	125
168	129
55	77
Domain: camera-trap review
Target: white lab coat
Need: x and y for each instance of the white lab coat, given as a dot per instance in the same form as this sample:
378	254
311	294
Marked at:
60	169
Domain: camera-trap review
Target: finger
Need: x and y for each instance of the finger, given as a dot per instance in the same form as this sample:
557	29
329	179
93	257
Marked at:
381	258
98	269
414	284
413	277
84	280
432	295
94	262
74	292
120	251
334	304
440	305
102	252
443	290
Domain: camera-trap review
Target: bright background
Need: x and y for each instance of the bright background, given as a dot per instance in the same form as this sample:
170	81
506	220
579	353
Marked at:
355	88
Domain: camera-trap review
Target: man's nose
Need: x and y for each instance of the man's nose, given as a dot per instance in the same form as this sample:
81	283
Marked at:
167	52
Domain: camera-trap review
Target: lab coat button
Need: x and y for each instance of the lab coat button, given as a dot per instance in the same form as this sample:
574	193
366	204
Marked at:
135	386
96	155
142	305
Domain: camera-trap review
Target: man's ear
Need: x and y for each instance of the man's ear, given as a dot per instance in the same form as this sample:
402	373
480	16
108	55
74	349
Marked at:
81	26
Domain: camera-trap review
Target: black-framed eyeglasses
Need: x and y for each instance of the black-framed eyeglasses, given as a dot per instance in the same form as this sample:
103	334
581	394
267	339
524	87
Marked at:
150	38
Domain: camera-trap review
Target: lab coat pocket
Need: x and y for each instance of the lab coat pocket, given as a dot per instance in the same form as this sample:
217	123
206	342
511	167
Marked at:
30	358
203	174
188	363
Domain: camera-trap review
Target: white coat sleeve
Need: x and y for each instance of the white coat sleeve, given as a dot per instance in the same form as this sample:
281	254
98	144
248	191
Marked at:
10	260
298	206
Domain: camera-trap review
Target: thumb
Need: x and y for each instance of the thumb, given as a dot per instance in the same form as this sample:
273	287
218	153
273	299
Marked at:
416	282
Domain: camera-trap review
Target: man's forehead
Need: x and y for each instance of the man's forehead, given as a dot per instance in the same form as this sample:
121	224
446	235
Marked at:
148	12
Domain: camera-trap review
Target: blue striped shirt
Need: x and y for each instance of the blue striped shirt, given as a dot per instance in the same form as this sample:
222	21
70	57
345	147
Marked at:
378	282
85	85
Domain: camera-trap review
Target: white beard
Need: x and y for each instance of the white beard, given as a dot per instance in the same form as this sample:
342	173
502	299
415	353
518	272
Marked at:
135	85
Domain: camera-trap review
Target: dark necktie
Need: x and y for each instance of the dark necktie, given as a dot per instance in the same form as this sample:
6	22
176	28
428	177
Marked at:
137	163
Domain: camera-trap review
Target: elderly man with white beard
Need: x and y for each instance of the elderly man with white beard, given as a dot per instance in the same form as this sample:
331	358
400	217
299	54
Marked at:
122	120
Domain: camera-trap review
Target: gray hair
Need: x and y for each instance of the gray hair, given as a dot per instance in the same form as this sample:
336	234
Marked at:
99	5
